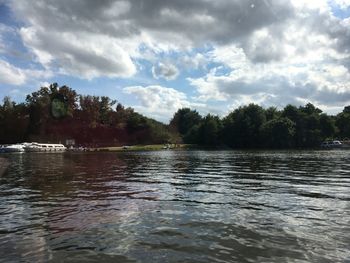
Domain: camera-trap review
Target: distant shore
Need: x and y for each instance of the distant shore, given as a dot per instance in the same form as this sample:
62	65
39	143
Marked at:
150	147
3	165
158	147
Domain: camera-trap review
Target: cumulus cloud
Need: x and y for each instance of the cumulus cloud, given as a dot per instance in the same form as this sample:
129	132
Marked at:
79	54
165	70
277	85
166	24
158	101
162	102
267	51
197	61
10	74
304	60
94	38
343	4
162	25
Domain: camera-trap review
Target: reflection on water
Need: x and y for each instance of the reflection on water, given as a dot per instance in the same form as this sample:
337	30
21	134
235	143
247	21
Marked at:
176	206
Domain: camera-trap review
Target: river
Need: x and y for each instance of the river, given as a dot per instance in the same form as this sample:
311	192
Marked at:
176	206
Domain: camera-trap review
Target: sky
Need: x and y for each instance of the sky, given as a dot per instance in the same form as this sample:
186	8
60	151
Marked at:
161	55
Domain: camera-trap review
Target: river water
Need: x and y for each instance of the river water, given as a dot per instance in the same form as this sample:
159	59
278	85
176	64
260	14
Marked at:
176	206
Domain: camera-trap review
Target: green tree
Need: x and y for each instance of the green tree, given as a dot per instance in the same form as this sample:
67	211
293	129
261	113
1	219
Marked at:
307	120
39	110
105	109
272	113
343	123
242	127
184	119
310	126
327	126
14	121
209	130
192	136
278	133
70	97
90	107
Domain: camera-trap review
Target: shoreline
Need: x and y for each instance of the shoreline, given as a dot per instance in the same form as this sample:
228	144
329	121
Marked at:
158	147
150	147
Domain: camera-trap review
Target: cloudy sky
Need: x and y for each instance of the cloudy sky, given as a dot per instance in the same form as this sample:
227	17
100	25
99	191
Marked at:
161	55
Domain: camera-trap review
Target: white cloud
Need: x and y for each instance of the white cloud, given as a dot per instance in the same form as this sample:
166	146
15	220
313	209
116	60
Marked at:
162	25
10	74
343	4
270	51
306	61
157	101
100	38
79	54
320	5
277	85
165	70
197	61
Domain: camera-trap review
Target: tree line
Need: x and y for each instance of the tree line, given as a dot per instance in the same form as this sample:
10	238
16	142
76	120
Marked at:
54	114
252	126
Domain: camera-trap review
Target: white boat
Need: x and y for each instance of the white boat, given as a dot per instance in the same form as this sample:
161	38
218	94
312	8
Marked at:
332	144
44	147
12	148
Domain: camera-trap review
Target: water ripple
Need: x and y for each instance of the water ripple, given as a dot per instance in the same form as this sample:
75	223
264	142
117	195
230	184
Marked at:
176	206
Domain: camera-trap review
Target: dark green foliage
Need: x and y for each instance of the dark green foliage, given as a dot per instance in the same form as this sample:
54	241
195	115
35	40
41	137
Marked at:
252	126
51	112
272	113
278	133
59	112
291	112
242	127
309	131
105	108
192	136
14	120
184	119
327	126
209	130
343	123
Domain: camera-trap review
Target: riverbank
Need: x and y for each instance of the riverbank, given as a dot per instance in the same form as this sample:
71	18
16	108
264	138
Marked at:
3	165
150	147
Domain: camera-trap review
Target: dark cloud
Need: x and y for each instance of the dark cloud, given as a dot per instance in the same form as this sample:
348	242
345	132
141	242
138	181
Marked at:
208	21
89	38
218	21
178	23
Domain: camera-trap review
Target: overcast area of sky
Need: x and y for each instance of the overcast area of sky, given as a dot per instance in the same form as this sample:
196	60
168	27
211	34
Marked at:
160	55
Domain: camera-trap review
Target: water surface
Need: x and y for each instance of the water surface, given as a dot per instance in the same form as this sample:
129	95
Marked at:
176	206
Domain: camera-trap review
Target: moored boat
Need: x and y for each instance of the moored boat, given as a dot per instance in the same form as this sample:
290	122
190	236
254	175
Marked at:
44	147
12	148
335	145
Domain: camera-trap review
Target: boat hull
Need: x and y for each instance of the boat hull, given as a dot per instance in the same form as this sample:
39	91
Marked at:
37	147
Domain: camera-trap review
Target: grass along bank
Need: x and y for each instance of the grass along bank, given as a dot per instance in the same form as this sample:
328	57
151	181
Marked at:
151	147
